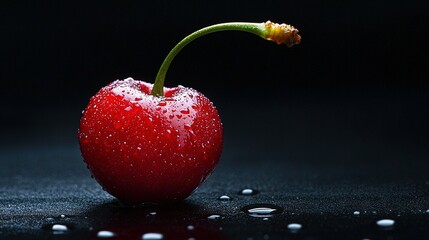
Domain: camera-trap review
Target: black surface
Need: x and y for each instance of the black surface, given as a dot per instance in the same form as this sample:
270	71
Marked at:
334	125
319	160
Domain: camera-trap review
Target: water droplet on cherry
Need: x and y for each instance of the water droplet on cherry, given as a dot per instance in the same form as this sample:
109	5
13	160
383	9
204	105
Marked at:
185	111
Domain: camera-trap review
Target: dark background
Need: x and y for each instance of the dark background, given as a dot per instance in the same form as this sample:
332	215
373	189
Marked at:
56	55
341	118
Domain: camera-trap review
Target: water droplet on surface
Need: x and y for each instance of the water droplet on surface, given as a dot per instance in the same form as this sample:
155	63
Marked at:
356	213
105	234
427	211
62	216
50	219
190	227
294	227
262	210
248	191
59	228
214	217
152	236
386	223
152	213
265	219
224	198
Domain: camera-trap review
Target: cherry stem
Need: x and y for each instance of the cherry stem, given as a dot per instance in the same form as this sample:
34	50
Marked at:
279	33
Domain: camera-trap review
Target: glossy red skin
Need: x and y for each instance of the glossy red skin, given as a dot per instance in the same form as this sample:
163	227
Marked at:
143	148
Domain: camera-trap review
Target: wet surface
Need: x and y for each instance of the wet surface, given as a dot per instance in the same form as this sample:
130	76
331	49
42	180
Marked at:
297	201
311	179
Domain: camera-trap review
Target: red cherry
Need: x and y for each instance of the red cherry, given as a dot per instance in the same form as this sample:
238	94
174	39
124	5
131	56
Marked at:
143	148
147	143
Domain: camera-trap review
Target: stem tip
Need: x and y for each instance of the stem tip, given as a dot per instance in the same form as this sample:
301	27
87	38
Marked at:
282	33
